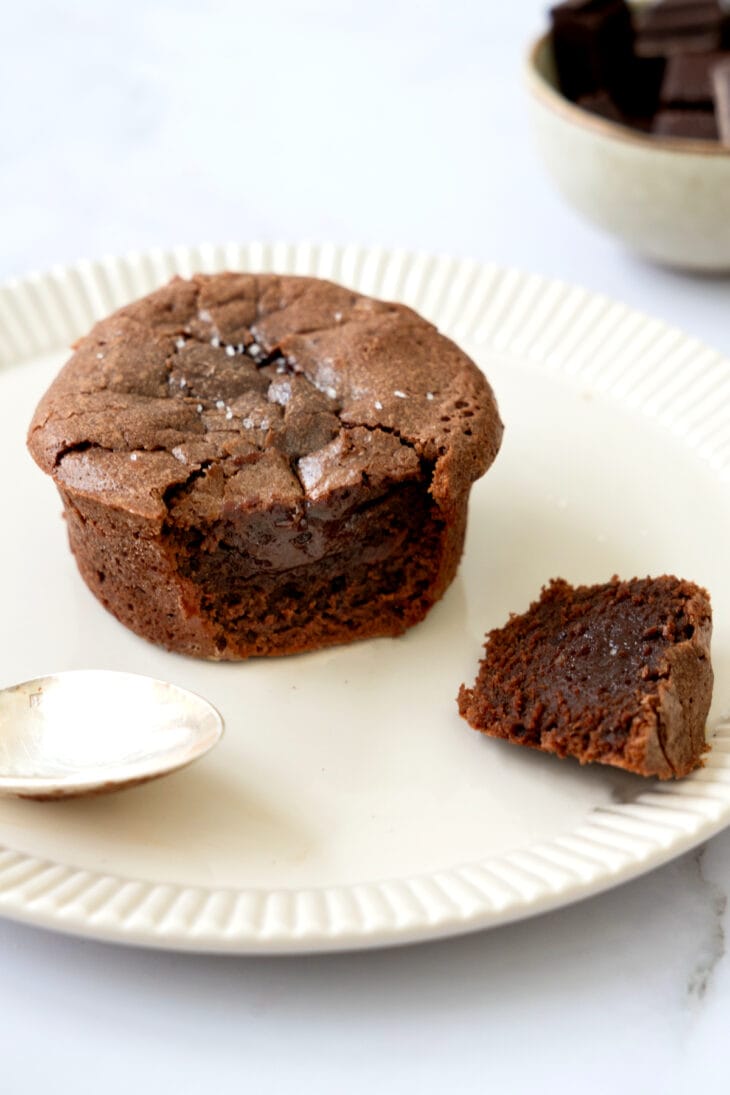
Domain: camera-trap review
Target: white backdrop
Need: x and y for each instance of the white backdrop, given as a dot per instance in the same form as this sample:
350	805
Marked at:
129	125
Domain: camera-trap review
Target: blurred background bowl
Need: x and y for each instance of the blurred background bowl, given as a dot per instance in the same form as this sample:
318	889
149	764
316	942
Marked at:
666	197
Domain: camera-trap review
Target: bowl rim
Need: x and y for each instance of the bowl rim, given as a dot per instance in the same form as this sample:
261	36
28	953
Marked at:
549	96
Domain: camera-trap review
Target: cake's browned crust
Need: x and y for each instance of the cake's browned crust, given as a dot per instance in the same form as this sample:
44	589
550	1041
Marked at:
618	673
254	464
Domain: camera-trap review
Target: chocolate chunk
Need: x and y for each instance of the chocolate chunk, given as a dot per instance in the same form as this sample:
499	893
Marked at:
678	26
721	96
699	125
688	79
592	42
654	73
637	93
601	103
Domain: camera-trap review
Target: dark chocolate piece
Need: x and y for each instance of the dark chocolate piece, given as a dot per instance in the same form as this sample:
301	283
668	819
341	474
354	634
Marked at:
601	103
688	79
592	43
637	93
618	673
721	98
264	465
698	125
678	26
653	83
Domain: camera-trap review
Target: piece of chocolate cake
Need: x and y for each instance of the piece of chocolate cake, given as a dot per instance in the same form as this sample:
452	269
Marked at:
266	465
617	673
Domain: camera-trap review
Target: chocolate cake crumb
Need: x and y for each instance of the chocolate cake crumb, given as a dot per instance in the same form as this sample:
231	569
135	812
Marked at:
617	674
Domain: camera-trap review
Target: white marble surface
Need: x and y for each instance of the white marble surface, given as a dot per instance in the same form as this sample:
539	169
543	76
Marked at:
130	125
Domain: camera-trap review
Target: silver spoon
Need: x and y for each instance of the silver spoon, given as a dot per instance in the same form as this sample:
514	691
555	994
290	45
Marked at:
91	731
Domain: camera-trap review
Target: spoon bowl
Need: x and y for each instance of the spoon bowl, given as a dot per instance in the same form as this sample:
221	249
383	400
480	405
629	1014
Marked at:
93	731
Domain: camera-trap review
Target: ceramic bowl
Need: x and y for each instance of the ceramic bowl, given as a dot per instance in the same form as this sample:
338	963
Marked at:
665	197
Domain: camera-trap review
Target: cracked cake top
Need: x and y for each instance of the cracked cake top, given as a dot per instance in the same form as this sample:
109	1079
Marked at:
260	390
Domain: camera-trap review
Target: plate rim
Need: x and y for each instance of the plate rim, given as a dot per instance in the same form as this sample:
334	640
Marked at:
512	313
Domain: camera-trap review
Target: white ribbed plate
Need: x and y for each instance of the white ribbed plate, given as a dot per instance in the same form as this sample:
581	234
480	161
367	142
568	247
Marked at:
348	805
